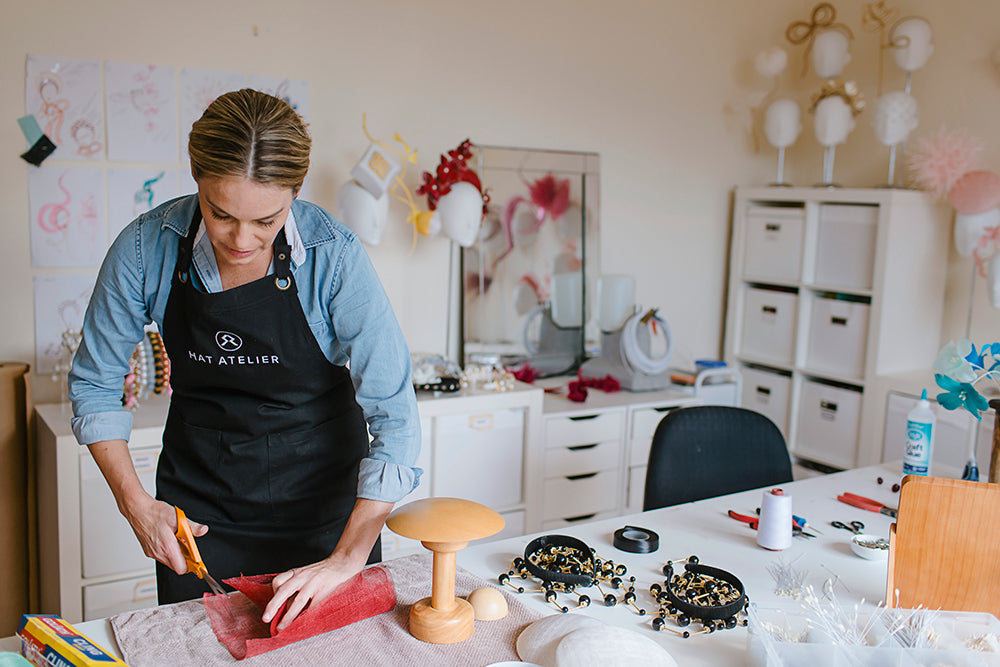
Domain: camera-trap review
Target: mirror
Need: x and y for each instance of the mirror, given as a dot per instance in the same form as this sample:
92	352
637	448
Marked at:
527	280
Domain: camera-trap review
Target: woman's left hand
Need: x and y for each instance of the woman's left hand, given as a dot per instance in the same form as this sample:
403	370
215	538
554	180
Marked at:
308	584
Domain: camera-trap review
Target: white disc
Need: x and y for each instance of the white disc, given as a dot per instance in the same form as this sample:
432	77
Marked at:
610	645
538	642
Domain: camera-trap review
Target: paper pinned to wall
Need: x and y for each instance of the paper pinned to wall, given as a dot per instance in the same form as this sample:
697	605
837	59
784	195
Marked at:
199	88
65	95
293	91
60	302
135	191
142	112
67	216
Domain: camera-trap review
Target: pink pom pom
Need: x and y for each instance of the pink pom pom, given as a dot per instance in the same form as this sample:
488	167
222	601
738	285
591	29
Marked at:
943	158
976	192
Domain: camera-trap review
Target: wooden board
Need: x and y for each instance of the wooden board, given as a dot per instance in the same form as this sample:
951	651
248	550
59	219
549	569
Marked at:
944	549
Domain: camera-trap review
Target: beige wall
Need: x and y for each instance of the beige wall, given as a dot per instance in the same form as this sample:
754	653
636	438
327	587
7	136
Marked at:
645	84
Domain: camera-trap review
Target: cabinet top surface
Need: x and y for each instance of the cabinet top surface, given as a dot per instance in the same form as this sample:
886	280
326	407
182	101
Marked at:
855	195
558	404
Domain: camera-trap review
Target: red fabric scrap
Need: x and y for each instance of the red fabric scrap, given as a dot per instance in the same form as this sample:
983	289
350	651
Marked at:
236	618
578	388
525	373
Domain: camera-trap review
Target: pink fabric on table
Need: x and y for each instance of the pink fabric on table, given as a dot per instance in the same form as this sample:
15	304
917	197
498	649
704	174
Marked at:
236	620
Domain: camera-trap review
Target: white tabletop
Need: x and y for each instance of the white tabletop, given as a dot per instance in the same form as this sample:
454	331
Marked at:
704	529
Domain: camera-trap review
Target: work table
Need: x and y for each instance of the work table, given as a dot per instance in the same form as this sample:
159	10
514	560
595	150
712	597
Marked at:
704	529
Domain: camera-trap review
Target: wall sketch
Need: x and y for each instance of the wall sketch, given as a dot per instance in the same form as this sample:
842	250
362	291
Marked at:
67	216
142	112
64	94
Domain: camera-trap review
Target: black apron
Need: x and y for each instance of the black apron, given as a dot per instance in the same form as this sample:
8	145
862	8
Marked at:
264	437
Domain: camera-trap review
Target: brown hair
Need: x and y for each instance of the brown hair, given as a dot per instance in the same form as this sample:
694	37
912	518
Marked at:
251	135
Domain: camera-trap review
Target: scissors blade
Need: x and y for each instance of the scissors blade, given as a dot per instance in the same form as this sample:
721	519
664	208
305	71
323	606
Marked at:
213	584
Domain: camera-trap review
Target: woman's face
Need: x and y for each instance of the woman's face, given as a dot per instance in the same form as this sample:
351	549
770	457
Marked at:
242	217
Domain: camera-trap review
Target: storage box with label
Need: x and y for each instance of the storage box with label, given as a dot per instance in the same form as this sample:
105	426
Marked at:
767	392
845	248
769	324
828	420
773	248
838	333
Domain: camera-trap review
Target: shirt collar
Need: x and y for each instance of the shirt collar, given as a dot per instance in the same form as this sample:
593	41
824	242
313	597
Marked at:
203	256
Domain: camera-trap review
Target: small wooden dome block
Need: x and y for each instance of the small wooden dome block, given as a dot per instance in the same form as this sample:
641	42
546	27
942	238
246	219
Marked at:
444	526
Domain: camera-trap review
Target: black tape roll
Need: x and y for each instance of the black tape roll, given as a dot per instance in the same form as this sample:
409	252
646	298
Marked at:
636	540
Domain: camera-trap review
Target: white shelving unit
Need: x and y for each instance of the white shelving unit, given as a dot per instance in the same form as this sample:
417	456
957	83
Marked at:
830	290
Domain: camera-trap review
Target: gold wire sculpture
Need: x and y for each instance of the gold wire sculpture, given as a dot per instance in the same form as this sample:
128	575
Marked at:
823	17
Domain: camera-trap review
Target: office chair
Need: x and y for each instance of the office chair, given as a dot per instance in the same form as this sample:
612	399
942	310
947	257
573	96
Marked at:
944	549
712	450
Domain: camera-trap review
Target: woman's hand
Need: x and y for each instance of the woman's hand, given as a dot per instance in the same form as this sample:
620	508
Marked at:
309	584
154	523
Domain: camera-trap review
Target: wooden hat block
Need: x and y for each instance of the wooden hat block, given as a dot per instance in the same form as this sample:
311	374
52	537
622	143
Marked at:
444	526
944	549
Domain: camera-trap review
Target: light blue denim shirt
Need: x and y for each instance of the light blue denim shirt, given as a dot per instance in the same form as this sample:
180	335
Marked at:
341	296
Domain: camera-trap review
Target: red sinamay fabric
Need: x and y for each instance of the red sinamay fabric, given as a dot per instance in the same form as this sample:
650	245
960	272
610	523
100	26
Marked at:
236	619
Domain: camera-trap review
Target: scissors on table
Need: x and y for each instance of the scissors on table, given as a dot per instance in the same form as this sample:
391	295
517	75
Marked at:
191	555
855	526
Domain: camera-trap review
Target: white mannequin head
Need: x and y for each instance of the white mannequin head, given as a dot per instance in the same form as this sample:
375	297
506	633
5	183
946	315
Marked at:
830	53
461	211
911	43
361	211
782	123
894	117
833	121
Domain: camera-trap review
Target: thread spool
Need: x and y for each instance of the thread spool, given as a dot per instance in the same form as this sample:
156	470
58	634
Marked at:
774	531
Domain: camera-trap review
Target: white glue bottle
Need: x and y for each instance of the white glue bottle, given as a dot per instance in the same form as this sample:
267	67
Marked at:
919	438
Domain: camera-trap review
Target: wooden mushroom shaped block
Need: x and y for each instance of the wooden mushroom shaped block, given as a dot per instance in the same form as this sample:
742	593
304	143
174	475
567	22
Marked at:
444	526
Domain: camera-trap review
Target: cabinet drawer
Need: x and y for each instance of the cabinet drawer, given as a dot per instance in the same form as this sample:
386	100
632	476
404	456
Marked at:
774	243
828	424
645	421
513	527
581	459
104	600
564	497
583	429
479	457
108	544
560	524
769	324
838	334
767	392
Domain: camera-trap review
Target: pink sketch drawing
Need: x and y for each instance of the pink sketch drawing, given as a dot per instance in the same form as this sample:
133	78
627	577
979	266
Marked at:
53	108
85	136
55	217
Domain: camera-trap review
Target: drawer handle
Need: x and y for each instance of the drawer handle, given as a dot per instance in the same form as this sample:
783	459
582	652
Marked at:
769	310
763	390
663	409
584	418
582	517
586	475
772	227
839	321
578	448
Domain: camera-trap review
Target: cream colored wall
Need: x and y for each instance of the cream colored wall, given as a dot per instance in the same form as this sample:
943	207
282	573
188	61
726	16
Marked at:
644	83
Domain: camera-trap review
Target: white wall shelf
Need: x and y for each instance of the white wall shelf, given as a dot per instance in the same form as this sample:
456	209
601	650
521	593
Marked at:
830	289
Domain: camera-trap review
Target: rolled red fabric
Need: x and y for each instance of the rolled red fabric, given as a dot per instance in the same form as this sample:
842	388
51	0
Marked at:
236	619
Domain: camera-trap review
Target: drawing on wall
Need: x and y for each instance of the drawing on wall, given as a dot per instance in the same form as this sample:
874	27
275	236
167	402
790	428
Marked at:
293	91
60	302
132	192
65	95
67	216
199	88
142	112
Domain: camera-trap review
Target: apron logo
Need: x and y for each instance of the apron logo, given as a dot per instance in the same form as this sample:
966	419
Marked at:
229	342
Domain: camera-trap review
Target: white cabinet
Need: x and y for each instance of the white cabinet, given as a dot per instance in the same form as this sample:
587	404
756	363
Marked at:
475	444
596	452
829	290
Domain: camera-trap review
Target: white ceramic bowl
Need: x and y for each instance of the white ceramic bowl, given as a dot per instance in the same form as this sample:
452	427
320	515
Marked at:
870	547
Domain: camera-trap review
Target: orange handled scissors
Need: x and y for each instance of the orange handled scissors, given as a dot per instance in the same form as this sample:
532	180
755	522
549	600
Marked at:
190	549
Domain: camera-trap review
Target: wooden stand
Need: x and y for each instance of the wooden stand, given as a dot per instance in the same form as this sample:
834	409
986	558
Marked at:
994	476
444	526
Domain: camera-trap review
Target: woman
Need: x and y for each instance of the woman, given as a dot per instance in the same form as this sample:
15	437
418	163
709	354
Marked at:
261	300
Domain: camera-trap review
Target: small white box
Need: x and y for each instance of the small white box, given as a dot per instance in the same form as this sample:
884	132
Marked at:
773	243
769	324
767	392
838	336
828	424
845	252
472	448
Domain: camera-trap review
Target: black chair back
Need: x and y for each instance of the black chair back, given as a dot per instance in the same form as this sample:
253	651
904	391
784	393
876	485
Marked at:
712	450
